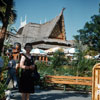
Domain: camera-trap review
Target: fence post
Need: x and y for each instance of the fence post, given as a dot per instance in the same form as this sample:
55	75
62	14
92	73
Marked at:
65	87
96	82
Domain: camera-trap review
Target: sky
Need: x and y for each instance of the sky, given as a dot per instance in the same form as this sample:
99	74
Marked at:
76	14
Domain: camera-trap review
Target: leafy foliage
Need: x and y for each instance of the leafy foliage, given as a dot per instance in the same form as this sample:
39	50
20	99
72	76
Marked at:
7	16
3	79
58	59
90	34
79	67
3	11
82	66
44	69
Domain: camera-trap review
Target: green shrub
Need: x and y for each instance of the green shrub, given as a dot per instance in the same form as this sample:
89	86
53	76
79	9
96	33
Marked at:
82	66
3	79
44	68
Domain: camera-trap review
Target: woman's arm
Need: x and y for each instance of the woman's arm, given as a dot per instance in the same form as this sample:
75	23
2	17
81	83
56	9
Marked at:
22	63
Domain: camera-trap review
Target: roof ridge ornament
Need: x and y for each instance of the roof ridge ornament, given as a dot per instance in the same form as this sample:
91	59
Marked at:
23	23
63	10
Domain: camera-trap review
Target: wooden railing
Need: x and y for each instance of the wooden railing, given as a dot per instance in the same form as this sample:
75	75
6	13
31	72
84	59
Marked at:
69	80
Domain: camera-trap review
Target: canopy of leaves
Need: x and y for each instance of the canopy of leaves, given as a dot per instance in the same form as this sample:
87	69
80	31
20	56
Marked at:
90	34
3	11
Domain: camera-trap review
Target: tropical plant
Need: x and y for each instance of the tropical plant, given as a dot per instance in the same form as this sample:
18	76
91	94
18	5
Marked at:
58	59
82	66
44	69
7	16
3	77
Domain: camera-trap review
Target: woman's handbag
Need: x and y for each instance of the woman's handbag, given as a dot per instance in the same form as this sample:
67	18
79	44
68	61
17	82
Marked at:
35	74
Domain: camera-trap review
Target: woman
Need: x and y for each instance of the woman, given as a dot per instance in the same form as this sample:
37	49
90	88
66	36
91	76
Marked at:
17	56
26	83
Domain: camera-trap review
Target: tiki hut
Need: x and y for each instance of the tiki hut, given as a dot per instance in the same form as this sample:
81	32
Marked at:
44	36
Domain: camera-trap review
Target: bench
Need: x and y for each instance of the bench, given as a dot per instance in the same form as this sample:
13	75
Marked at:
69	80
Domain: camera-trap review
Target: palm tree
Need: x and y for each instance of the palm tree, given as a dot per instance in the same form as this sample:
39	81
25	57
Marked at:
7	16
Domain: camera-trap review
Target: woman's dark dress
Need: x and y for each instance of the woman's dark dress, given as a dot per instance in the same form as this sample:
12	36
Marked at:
26	83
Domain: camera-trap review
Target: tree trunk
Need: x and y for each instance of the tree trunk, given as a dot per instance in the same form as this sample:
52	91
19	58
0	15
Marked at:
2	38
5	24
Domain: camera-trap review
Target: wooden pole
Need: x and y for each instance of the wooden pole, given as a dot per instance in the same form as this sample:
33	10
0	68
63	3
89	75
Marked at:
96	82
39	58
43	58
46	59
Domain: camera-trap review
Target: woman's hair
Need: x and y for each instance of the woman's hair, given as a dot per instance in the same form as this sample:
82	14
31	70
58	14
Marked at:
28	44
18	44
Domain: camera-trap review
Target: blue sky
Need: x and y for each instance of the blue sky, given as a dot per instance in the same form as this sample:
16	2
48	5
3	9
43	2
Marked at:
77	12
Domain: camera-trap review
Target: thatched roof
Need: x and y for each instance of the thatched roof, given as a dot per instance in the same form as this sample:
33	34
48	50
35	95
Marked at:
39	33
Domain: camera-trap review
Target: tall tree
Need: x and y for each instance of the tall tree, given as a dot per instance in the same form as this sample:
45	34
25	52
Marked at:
90	34
7	16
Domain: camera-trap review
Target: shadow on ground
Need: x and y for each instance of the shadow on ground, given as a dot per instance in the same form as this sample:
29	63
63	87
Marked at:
53	95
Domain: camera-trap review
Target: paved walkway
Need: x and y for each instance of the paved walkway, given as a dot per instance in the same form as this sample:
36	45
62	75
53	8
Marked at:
53	95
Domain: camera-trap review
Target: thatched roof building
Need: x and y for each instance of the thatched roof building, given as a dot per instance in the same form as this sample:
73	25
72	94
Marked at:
44	36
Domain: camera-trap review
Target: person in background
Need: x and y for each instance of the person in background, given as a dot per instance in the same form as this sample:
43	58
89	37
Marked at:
8	52
11	71
17	56
16	51
26	82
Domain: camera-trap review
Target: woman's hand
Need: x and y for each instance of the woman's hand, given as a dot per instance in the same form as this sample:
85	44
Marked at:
27	67
32	67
